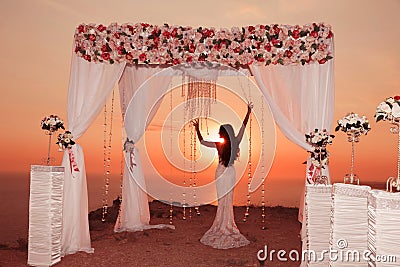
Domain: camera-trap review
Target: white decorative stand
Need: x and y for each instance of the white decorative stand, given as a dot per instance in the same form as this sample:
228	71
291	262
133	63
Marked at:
352	178
318	220
45	215
349	223
395	181
384	231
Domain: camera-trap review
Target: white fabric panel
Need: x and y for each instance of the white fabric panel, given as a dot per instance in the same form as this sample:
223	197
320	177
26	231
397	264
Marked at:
134	212
45	215
89	86
384	231
317	222
301	97
349	223
142	87
146	85
75	232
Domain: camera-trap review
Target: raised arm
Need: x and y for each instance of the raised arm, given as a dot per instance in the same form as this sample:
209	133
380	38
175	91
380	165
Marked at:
195	123
245	120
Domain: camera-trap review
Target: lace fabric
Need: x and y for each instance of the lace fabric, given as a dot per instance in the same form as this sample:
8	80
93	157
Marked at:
224	233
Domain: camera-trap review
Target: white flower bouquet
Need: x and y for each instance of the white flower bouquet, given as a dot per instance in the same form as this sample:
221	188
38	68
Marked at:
319	139
388	109
65	140
353	123
52	123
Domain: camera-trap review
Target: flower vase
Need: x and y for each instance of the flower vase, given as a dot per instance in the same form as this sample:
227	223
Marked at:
395	181
352	178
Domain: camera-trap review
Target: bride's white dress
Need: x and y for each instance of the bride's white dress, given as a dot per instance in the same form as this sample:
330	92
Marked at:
224	233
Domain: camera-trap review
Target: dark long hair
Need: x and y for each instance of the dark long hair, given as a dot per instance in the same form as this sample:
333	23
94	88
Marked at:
227	151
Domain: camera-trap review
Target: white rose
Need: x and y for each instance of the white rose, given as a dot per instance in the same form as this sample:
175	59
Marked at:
384	107
390	100
396	110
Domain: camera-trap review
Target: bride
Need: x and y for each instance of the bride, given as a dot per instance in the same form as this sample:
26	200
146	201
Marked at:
224	233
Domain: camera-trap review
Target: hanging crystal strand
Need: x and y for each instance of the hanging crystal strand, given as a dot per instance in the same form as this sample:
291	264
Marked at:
262	168
191	167
104	209
107	157
196	207
184	167
170	139
249	174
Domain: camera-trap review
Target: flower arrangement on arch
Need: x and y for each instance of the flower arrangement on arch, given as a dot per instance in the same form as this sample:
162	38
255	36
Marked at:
65	140
353	123
52	123
319	139
143	43
388	109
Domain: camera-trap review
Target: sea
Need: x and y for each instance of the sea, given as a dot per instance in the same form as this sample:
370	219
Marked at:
14	199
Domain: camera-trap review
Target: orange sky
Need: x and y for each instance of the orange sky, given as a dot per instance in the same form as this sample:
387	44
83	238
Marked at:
36	50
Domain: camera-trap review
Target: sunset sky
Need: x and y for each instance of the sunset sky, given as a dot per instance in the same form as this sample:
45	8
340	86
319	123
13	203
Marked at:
37	42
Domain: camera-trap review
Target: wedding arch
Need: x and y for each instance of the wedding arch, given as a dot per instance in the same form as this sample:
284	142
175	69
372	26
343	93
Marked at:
292	66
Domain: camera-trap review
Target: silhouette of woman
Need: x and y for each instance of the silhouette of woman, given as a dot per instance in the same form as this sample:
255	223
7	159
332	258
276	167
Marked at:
224	233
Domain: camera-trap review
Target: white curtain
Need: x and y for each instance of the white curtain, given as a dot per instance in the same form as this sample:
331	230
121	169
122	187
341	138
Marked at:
301	100
301	97
142	87
89	86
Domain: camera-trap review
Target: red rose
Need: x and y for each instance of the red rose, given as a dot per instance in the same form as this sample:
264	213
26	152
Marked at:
145	25
77	49
236	50
174	32
120	50
116	35
268	47
260	59
252	29
189	59
87	57
210	33
166	34
81	28
175	61
397	98
192	48
322	61
129	56
314	34
92	37
202	58
105	56
104	48
130	27
142	57
275	42
262	27
288	53
101	28
296	34
330	35
276	29
218	46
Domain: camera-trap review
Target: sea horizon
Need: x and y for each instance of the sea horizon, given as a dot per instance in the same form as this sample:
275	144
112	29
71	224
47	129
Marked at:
14	196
